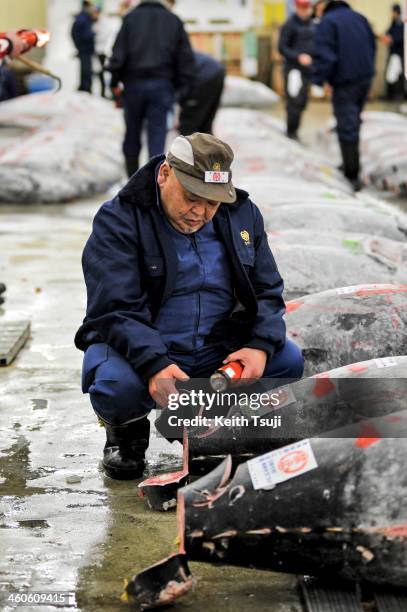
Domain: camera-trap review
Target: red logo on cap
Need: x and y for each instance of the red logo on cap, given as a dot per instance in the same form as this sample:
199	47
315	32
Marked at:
216	177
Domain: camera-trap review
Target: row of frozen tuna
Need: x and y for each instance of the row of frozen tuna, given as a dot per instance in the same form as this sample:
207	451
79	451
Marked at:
322	235
383	148
334	442
68	145
339	454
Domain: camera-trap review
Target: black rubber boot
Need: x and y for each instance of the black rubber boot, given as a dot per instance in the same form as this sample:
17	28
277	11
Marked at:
2	290
351	163
293	124
124	452
131	165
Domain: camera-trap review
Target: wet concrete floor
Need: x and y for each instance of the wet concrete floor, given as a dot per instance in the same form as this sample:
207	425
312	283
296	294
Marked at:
64	526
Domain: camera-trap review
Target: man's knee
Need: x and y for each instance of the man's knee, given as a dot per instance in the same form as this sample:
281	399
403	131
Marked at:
287	363
295	360
117	393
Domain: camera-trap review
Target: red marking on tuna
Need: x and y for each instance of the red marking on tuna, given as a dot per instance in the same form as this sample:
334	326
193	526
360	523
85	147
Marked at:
369	436
163	479
395	322
393	419
357	367
257	166
293	462
293	306
398	531
323	385
381	291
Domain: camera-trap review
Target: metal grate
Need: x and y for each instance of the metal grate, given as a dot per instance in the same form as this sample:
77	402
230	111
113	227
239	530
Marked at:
387	601
13	336
320	597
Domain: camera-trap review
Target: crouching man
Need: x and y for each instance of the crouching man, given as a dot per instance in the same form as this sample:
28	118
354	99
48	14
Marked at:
180	278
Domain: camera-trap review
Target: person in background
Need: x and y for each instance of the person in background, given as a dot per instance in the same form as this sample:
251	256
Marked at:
198	111
8	88
344	57
152	59
83	38
103	44
296	45
394	39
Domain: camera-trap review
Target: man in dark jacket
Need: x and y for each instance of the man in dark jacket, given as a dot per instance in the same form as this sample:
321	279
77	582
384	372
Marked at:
297	47
8	89
153	59
84	40
180	279
198	111
394	38
345	58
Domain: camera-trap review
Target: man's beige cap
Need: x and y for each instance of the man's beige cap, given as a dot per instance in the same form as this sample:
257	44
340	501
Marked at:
202	163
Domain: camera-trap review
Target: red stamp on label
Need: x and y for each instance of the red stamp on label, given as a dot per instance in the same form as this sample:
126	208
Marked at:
293	462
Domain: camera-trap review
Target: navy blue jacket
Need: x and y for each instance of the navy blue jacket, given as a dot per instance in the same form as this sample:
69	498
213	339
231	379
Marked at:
153	44
206	68
130	269
296	36
345	47
82	33
8	88
396	31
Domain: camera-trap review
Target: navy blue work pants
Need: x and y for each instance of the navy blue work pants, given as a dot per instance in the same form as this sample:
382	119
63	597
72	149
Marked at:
85	60
118	393
348	103
147	101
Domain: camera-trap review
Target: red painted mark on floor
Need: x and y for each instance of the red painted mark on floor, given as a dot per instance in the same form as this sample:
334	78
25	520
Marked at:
323	385
358	367
293	306
368	436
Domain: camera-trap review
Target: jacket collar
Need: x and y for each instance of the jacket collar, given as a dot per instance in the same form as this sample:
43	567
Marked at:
160	3
141	188
335	4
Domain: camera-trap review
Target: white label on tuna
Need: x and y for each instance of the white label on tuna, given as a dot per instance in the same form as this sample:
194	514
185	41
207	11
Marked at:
345	290
282	464
385	362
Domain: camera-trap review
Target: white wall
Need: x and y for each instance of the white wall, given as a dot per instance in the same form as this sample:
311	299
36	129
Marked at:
239	14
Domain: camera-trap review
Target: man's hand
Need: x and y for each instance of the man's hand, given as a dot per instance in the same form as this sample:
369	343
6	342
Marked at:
304	59
162	384
386	39
19	45
253	362
117	93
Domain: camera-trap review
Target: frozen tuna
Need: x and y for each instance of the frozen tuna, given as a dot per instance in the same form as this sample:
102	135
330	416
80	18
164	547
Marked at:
364	322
